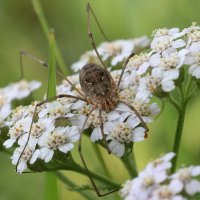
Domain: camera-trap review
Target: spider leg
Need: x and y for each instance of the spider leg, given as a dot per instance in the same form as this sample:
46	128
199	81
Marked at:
45	64
136	112
124	67
34	114
84	163
102	132
89	9
90	35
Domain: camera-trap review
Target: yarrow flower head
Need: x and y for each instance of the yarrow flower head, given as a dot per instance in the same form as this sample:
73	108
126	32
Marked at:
115	52
18	90
55	126
156	183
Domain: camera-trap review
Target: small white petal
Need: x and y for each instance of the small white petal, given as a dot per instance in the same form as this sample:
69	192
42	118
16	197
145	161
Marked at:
8	143
195	171
192	187
65	148
117	148
96	134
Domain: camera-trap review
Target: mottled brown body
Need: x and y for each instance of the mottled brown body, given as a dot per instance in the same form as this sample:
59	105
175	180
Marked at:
98	86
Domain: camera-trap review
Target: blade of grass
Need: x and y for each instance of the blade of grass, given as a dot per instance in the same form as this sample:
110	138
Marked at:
51	90
51	190
45	27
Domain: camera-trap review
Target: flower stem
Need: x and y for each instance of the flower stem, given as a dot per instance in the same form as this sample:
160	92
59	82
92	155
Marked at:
51	190
72	185
130	164
77	168
179	130
174	103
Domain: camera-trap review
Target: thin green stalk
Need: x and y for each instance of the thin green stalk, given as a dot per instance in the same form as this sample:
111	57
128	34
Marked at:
129	163
51	190
189	83
51	90
77	168
72	185
174	103
179	130
43	22
181	94
101	160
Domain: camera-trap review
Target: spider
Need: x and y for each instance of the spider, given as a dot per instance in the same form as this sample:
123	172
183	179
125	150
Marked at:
98	90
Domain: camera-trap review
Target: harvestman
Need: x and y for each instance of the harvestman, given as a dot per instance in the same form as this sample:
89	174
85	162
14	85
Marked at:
99	90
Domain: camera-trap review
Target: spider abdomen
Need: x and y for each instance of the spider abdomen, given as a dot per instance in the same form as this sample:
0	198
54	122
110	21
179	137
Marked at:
98	86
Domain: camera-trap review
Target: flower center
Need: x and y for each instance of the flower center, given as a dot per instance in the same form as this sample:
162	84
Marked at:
148	181
194	36
137	60
122	133
185	175
56	139
170	62
162	45
112	49
153	83
17	131
56	109
128	94
27	154
95	120
196	57
23	85
37	130
165	193
160	32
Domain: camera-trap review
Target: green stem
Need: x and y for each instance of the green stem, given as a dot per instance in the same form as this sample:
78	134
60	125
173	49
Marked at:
51	190
101	160
174	103
179	130
72	185
43	22
77	168
129	163
189	83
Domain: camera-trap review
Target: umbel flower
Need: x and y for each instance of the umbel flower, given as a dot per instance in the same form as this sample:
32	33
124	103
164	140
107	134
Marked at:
18	90
156	183
152	73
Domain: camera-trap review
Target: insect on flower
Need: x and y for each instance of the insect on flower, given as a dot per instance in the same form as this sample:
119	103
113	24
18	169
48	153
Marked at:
100	91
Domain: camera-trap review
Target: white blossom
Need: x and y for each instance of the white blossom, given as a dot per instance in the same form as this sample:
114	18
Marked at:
29	155
62	139
184	178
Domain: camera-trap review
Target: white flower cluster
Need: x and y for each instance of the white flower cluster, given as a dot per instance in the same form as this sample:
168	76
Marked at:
45	136
156	70
155	182
18	90
115	52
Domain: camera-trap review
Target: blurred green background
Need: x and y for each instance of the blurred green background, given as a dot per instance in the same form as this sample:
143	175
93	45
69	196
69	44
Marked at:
20	30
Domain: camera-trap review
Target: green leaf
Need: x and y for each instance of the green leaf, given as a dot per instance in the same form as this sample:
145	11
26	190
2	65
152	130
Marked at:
51	190
51	91
195	197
